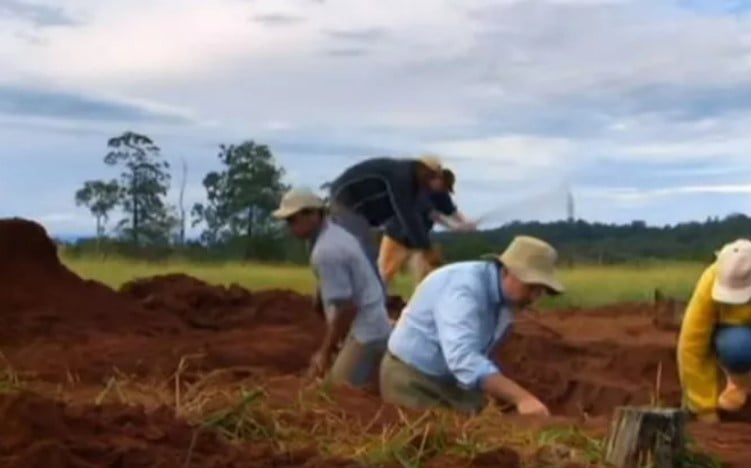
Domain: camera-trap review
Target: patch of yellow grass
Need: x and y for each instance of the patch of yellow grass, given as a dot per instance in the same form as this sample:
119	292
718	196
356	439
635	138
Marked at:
587	286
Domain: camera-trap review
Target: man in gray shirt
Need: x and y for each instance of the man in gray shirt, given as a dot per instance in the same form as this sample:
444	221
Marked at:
350	292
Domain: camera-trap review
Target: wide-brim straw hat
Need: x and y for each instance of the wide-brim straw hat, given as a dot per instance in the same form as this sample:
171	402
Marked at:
533	261
297	200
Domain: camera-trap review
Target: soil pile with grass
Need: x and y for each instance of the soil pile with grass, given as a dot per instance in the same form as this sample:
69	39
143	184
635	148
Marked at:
204	306
64	332
57	326
39	297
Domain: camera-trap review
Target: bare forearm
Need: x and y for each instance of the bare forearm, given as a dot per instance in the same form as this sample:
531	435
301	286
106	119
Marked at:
459	217
447	221
344	315
499	386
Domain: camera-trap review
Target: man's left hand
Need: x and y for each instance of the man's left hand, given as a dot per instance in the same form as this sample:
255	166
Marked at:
319	364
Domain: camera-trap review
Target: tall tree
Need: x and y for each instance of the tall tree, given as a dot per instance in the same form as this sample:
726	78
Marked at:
100	198
181	201
144	180
241	197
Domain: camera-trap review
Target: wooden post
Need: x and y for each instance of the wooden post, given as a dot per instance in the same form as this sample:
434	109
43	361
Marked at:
646	436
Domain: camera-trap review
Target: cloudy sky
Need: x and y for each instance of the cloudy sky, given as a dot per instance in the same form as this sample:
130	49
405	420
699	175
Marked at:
643	108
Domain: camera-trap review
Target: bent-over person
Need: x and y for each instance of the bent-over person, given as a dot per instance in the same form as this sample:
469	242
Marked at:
350	292
436	205
439	353
369	193
716	336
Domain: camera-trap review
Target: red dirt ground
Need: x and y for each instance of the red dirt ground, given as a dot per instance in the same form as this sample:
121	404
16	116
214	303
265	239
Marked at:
58	328
38	432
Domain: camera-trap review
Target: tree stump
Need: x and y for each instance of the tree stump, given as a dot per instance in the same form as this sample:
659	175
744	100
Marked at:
646	436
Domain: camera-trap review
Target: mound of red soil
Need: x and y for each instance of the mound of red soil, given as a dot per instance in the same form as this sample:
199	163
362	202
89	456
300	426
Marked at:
56	325
37	432
42	298
202	305
24	243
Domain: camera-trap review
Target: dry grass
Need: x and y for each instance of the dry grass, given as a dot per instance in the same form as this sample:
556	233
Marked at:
587	285
291	414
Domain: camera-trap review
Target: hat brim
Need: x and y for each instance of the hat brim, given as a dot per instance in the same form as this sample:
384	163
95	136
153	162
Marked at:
550	282
553	285
728	295
284	213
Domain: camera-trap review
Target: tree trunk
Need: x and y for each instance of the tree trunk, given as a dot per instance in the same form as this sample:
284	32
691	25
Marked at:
249	235
181	202
646	437
136	212
98	234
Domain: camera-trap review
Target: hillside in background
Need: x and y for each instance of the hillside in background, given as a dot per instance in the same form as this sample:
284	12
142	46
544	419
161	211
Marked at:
581	241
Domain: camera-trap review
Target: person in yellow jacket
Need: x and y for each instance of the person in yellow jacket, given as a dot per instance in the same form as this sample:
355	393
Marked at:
716	335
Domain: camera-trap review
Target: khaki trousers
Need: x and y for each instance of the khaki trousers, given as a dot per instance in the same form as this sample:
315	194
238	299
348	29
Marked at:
404	385
357	363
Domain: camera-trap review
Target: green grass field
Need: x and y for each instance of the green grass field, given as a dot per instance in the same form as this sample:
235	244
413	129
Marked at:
587	285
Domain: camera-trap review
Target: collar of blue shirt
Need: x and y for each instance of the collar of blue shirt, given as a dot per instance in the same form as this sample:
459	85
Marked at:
495	288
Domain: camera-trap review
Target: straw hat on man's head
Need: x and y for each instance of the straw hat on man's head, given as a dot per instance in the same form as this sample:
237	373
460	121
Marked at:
732	284
532	261
297	200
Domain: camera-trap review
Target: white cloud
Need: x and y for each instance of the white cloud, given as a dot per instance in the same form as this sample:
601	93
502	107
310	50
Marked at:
542	50
518	92
514	159
148	41
636	194
688	149
538	151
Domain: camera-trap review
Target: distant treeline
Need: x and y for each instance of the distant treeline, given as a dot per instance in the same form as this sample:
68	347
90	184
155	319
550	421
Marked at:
247	184
583	242
577	242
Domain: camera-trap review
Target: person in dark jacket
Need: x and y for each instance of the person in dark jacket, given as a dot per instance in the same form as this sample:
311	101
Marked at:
436	205
368	194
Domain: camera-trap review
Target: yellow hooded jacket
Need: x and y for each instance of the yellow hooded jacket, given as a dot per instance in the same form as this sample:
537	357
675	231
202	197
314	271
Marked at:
697	362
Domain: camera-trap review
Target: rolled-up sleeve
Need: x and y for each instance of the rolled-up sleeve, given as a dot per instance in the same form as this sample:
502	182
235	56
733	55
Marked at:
457	319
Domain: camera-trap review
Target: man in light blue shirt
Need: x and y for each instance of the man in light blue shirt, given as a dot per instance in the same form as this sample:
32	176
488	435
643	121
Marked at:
350	291
439	352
